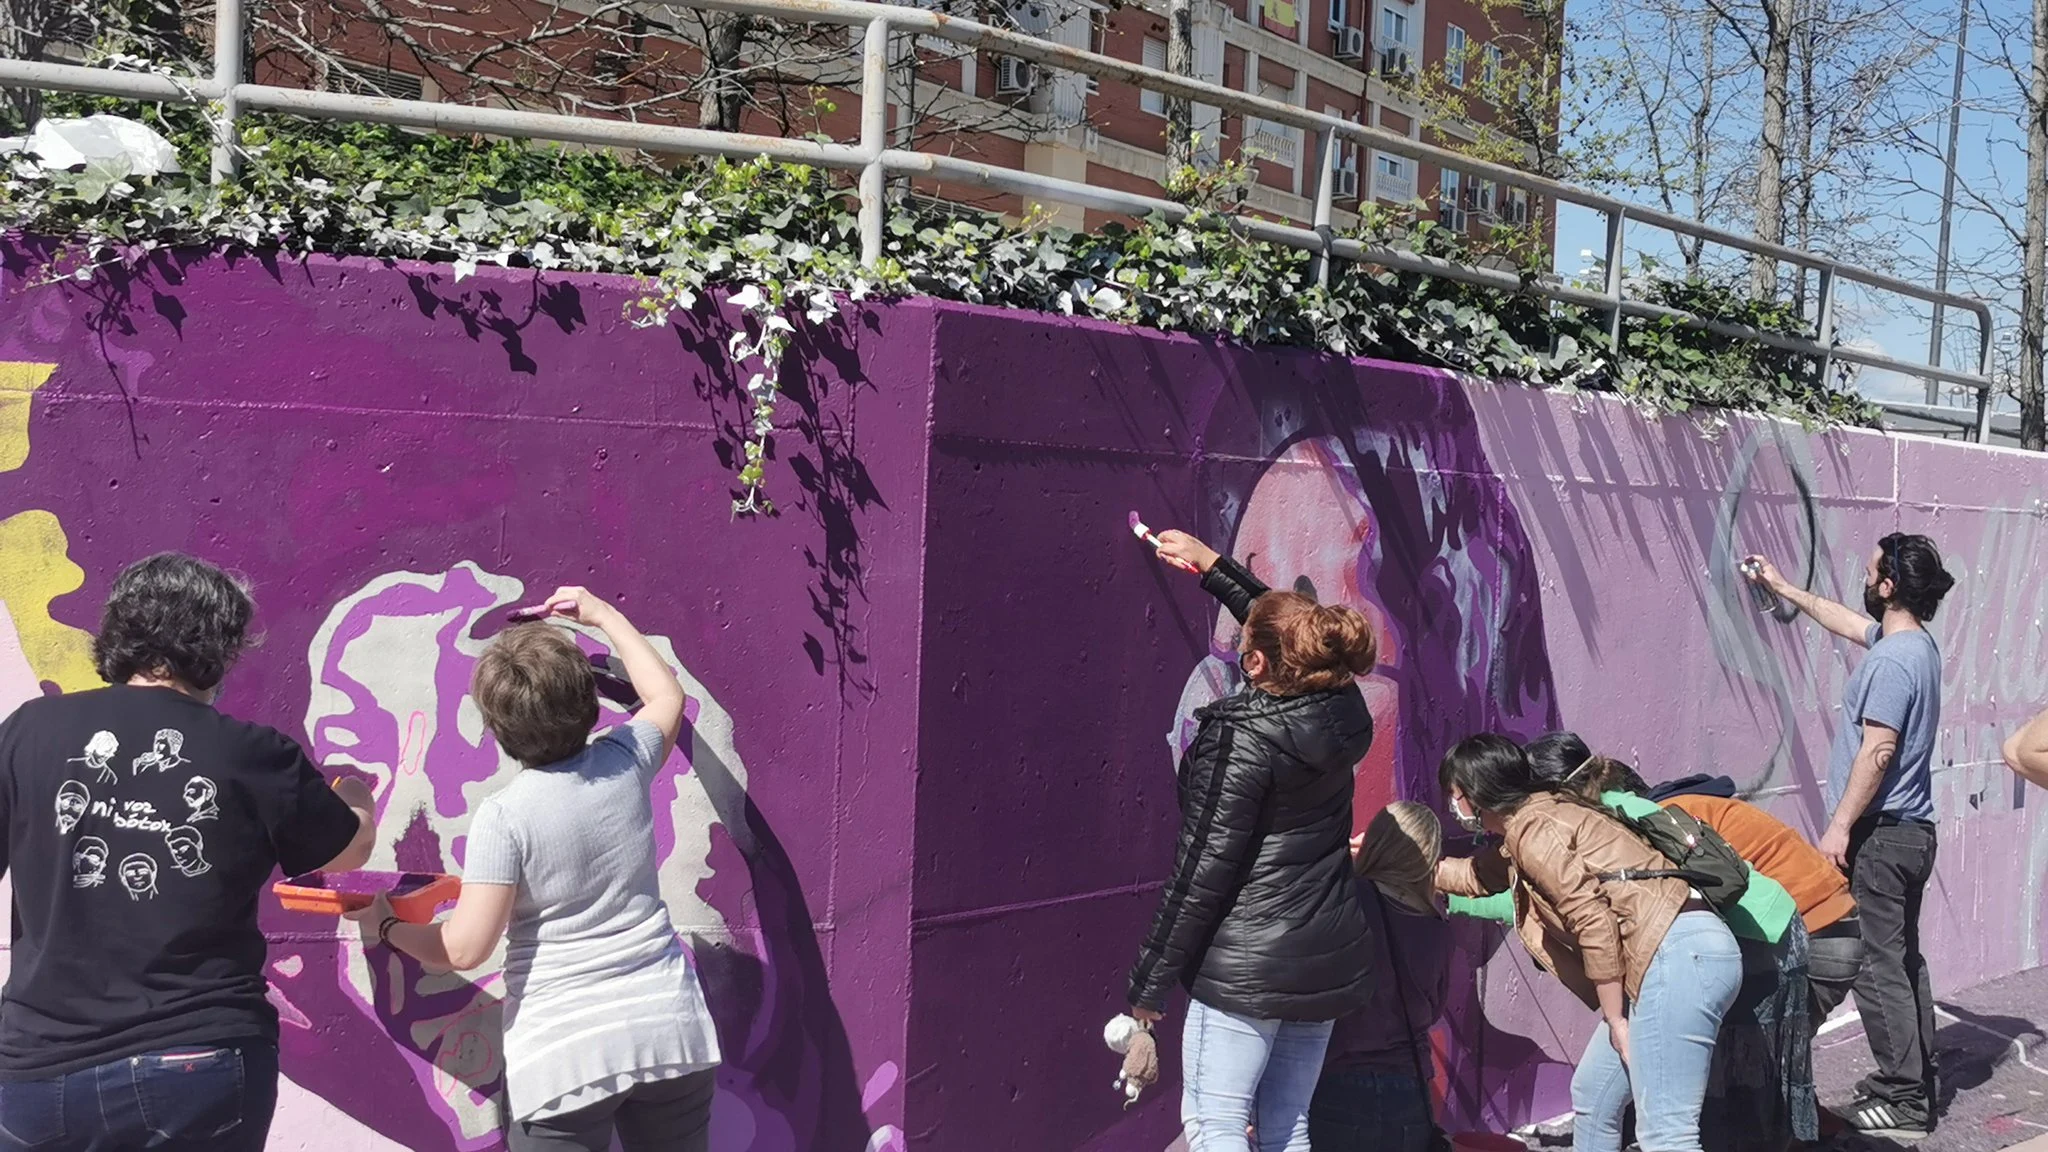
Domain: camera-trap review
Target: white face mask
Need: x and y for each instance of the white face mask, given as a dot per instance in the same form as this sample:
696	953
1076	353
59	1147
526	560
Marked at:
1465	819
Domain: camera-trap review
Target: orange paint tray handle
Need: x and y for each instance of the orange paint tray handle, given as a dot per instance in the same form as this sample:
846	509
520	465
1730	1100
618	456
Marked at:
416	905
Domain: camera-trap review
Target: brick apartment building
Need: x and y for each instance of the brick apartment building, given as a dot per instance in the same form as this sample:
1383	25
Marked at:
1402	65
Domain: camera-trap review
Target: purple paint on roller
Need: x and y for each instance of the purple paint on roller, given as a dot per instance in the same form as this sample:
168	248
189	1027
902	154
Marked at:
366	883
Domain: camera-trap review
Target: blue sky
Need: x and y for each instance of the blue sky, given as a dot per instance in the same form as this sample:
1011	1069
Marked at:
1991	162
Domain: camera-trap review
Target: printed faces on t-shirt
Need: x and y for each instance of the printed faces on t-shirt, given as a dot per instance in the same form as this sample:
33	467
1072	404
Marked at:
135	829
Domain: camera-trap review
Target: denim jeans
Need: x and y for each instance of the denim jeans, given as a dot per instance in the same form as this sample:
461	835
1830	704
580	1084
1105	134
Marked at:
1834	961
1360	1109
1889	867
1233	1066
191	1099
1672	1025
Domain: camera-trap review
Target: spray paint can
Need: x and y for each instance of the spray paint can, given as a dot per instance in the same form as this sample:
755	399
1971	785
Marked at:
1760	593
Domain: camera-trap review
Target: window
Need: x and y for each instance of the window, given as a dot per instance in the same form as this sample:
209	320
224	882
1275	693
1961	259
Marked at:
1340	14
364	80
1485	197
1489	67
1393	178
1518	206
1347	153
1394	26
1454	56
1155	57
1098	42
1450	205
1280	143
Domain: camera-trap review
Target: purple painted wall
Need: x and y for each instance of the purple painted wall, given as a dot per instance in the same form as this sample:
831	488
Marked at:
929	797
393	459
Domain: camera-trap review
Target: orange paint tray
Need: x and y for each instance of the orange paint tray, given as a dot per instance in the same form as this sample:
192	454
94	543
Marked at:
415	896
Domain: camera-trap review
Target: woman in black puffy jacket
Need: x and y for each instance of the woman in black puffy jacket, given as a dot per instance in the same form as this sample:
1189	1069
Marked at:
1260	921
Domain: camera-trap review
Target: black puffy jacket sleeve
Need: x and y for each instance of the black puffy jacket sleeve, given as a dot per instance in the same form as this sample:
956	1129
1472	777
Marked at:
1222	796
1234	585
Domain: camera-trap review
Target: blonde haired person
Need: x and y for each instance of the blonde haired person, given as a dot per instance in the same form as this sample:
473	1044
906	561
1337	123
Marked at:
606	1030
1374	1091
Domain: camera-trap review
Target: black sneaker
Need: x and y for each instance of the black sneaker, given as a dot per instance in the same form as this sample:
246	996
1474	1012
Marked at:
1874	1117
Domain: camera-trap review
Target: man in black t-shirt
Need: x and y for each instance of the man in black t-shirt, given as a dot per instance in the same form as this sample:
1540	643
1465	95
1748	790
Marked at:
140	827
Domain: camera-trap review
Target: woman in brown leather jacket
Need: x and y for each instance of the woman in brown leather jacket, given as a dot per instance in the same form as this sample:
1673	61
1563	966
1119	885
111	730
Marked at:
1659	964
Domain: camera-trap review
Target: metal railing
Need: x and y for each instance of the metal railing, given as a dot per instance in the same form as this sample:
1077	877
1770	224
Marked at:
875	161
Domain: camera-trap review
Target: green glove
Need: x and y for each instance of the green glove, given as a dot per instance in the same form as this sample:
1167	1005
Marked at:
1499	906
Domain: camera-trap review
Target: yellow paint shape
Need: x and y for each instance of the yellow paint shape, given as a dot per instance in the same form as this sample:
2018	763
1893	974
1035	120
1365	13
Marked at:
35	568
18	382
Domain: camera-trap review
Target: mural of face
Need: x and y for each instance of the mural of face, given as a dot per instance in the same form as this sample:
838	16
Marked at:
138	875
1375	509
72	801
1307	526
391	668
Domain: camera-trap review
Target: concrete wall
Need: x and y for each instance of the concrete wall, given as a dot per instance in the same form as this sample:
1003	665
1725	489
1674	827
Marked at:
929	796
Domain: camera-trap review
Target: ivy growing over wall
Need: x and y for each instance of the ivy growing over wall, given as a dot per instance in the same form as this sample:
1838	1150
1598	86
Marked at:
781	242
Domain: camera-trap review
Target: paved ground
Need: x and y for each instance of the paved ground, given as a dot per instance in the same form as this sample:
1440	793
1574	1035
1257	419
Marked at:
1994	1069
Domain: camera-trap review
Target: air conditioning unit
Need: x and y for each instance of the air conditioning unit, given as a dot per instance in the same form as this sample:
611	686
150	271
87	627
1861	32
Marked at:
1346	184
1015	76
1351	44
1395	62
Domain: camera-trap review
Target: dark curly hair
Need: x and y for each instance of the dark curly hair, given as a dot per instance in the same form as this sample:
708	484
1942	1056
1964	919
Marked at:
174	617
1913	564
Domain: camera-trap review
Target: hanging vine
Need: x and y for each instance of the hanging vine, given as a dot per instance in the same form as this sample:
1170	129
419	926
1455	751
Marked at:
779	244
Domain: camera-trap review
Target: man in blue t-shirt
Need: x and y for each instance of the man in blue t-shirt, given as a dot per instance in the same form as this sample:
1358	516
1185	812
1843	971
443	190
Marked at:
1881	795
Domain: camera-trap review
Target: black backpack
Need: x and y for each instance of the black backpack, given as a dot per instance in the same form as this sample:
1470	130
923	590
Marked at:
1697	854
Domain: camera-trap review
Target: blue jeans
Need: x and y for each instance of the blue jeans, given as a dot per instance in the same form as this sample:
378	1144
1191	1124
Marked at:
192	1099
1233	1066
1691	983
1362	1109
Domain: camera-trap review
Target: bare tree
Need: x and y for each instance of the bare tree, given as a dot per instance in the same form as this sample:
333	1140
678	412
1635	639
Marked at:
1180	60
25	27
2034	277
649	61
1779	19
1672	98
41	29
1772	114
2009	94
1860	87
1516	96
